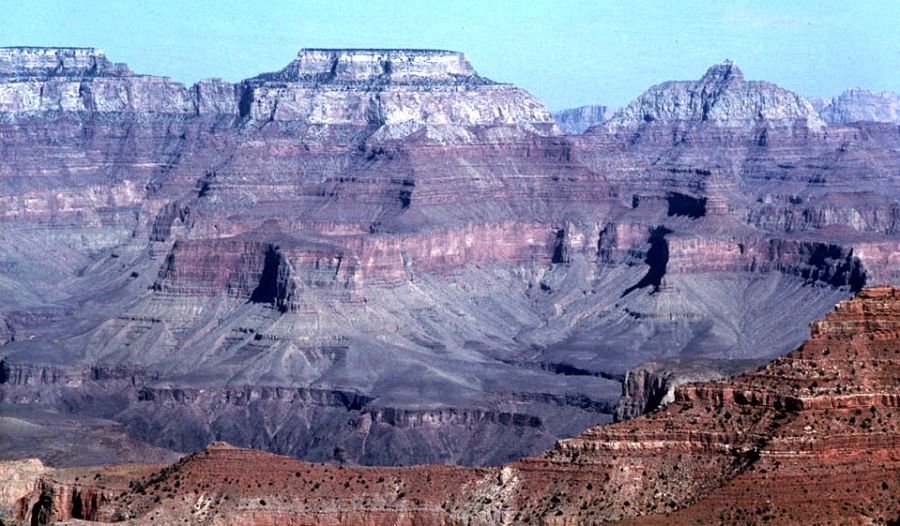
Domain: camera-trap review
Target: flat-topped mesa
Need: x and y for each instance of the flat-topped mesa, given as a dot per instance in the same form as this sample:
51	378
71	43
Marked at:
397	66
577	120
35	81
396	91
58	62
399	92
720	99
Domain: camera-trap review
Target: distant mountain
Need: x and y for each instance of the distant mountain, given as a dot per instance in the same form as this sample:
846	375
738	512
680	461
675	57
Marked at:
859	105
577	120
722	98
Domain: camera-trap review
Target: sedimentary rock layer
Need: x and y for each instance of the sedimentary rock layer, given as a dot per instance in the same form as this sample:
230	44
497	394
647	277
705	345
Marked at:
391	226
577	120
859	105
747	450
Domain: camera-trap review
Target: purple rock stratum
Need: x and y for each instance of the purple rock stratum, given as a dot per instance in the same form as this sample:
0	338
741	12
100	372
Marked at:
381	257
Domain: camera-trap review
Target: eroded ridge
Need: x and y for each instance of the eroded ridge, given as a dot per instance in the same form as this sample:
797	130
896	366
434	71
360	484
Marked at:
810	438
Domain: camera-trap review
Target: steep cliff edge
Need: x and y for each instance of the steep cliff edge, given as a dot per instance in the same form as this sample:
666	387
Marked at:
651	386
746	450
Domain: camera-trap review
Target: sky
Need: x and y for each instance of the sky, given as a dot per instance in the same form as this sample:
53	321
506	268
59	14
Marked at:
568	52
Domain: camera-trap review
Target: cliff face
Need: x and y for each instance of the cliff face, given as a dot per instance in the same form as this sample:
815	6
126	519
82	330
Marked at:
577	120
71	62
399	91
652	385
20	478
389	226
745	450
39	80
721	98
859	105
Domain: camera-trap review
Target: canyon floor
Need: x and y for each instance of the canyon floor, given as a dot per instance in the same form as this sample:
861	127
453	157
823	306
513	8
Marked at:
813	437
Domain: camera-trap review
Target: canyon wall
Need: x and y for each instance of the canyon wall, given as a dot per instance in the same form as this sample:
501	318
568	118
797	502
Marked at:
390	226
811	437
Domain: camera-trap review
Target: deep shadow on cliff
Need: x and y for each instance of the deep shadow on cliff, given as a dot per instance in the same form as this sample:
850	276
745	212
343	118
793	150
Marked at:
382	257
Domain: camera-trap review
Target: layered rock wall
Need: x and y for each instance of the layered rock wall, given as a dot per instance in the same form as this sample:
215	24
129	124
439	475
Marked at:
855	105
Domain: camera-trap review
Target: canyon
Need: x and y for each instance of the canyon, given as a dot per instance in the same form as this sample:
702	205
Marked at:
382	257
810	438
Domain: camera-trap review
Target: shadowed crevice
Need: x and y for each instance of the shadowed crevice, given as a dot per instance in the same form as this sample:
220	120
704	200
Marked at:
657	259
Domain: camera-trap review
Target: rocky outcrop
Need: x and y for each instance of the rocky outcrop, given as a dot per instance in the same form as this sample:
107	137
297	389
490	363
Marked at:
652	385
577	120
741	450
858	105
20	478
401	90
54	502
722	99
82	495
736	442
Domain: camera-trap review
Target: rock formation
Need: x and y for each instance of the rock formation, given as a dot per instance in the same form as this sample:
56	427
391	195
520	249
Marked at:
381	257
397	92
577	120
721	98
812	437
652	385
20	477
859	105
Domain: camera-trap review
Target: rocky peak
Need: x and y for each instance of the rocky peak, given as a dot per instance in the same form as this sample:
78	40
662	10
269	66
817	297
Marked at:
723	73
397	66
57	62
721	99
875	311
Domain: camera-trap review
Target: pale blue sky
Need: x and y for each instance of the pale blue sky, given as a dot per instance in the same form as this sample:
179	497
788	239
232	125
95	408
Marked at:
568	52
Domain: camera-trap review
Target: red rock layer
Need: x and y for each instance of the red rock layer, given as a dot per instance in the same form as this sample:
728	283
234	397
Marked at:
811	438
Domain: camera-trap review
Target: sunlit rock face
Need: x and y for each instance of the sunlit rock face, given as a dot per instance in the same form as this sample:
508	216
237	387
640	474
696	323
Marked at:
399	91
578	120
81	80
721	98
389	258
399	66
44	62
860	105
